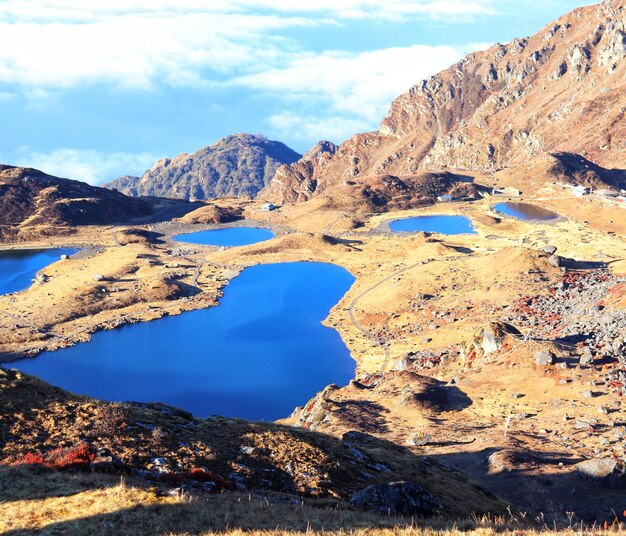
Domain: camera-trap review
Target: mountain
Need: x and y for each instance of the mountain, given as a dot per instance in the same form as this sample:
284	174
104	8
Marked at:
29	197
561	91
236	166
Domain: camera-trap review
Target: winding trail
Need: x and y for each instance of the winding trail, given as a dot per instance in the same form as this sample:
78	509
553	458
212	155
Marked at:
380	342
115	239
332	223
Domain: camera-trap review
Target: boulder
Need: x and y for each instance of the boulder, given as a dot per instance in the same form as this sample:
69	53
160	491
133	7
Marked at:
401	364
544	358
488	340
606	472
550	250
554	260
396	498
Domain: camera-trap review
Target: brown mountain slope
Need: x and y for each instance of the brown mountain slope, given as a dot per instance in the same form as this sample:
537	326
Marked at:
29	197
562	90
236	166
168	446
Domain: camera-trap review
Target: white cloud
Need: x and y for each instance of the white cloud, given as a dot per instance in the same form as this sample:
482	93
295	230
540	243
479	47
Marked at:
135	51
89	166
353	91
306	127
137	43
48	46
89	10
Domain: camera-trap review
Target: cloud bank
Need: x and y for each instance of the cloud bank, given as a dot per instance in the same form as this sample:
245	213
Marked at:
51	46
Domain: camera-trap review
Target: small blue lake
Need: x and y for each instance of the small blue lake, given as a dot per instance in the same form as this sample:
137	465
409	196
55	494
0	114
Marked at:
449	225
259	354
229	237
524	211
18	267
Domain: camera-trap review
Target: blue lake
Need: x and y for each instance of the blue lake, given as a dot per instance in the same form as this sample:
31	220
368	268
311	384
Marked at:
232	236
18	267
449	225
259	354
524	211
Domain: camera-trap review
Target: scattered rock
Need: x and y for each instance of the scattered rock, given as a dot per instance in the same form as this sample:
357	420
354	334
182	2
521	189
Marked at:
554	260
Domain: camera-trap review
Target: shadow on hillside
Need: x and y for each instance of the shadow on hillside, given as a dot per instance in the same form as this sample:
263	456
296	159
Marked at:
573	264
542	483
362	415
165	209
34	482
350	243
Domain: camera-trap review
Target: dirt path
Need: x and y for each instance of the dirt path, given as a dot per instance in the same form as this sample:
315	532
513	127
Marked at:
364	331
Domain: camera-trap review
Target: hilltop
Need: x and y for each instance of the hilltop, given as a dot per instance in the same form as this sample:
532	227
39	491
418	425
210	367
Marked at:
236	166
32	199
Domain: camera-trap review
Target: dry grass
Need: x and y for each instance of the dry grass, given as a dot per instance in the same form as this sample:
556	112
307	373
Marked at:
44	502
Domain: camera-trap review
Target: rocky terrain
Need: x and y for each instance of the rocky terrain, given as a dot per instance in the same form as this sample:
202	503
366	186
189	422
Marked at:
559	91
236	166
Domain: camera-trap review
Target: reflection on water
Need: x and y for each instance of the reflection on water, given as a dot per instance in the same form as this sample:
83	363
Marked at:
524	211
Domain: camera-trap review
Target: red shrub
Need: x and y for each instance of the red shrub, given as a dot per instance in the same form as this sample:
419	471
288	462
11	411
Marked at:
31	459
72	457
79	456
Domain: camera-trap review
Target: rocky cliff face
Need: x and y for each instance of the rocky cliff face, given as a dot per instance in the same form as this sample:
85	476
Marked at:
236	166
29	197
562	90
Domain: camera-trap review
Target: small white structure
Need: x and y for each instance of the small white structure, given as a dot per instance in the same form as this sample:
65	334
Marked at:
444	199
510	191
580	191
268	207
607	193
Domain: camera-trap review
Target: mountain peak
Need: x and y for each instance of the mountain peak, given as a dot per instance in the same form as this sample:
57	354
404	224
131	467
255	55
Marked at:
238	165
561	90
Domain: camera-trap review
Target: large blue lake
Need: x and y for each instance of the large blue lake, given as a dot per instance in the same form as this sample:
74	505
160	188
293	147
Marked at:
449	225
524	211
259	354
229	237
18	267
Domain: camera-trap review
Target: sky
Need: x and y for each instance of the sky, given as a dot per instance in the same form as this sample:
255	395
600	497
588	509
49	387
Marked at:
92	90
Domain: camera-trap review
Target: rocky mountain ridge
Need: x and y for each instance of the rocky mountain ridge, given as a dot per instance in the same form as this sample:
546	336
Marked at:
561	90
236	166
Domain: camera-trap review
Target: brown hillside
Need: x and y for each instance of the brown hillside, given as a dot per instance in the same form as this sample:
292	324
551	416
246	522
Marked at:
29	197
